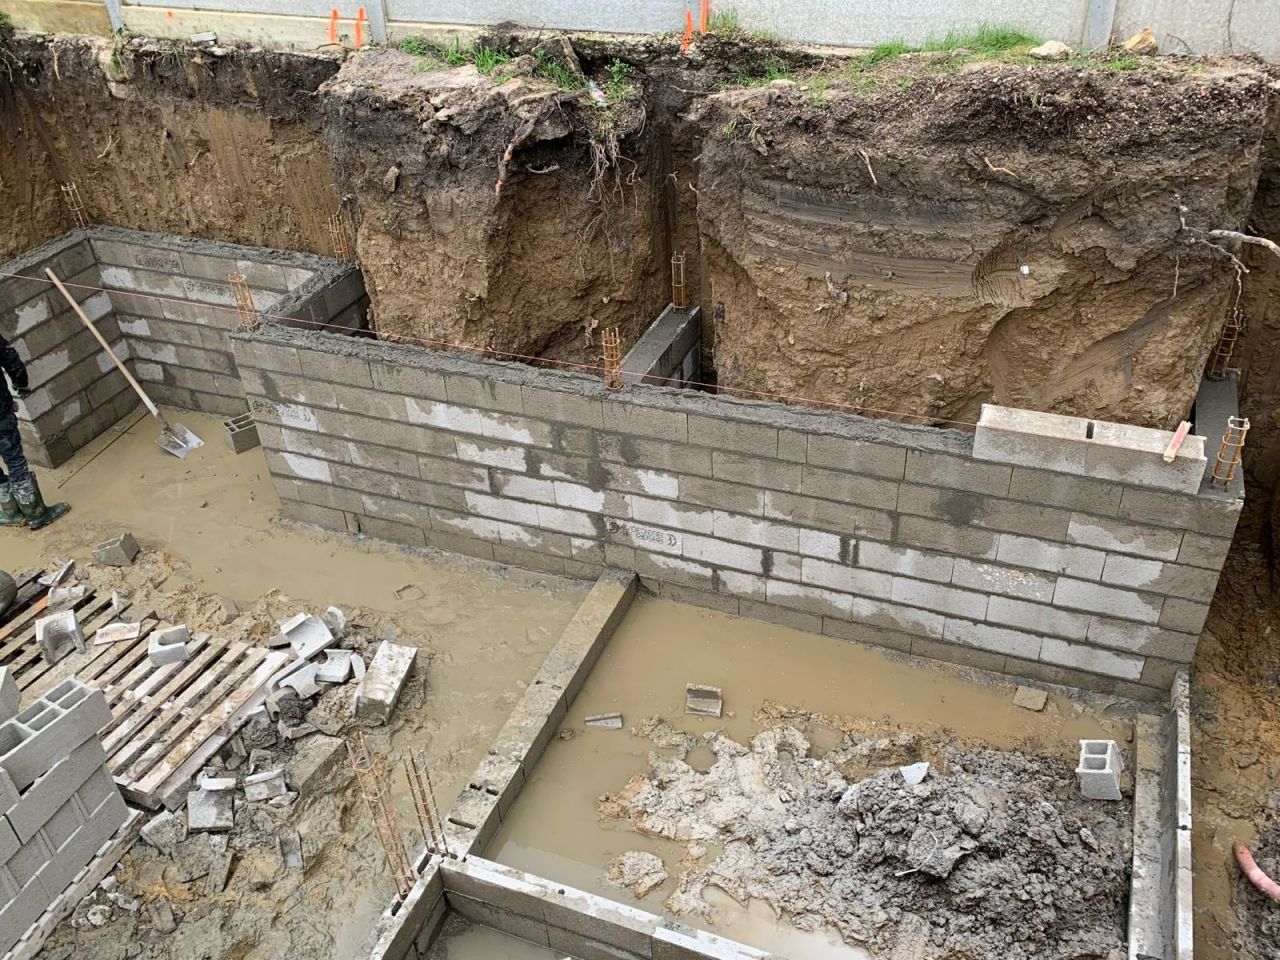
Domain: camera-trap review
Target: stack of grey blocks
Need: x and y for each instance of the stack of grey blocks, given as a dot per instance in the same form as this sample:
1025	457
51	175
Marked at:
60	802
167	309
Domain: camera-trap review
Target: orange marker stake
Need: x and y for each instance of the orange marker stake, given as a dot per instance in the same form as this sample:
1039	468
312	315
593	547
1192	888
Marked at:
706	16
688	31
360	28
333	26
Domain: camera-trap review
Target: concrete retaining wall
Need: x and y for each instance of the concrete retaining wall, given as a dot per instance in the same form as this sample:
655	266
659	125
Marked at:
860	529
78	392
669	353
179	327
164	305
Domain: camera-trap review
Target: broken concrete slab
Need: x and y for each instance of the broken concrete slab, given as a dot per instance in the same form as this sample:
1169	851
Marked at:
169	645
63	598
378	692
314	761
307	635
10	695
336	667
215	880
701	700
357	667
215	784
59	635
1029	698
61	575
914	773
303	681
607	721
210	810
165	831
118	552
265	785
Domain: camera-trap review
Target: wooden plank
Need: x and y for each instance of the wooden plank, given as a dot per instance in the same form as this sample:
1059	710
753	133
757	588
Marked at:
210	722
138	711
23	621
86	881
212	699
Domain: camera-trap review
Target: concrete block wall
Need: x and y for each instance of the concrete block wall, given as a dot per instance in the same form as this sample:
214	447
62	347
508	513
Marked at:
176	310
164	305
78	392
59	800
669	353
861	529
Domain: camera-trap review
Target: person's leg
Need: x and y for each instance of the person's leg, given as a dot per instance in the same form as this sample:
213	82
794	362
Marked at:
23	484
16	462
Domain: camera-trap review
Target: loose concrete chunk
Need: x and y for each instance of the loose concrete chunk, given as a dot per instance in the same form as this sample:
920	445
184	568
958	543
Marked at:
313	761
1099	770
63	598
914	773
161	913
378	692
59	635
215	880
274	702
165	831
336	621
1029	698
241	433
357	667
119	552
336	667
297	732
168	646
303	681
61	575
307	636
214	784
10	695
1050	50
291	849
703	701
607	721
265	785
115	632
210	810
229	609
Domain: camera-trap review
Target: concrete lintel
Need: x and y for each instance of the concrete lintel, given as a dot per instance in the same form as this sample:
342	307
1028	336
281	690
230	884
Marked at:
658	355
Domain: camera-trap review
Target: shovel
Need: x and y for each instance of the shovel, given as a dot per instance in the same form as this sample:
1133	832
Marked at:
175	439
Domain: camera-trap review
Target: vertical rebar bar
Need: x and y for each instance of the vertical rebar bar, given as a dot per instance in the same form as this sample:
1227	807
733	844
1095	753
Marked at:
612	343
71	193
1224	470
1221	357
249	319
679	292
374	786
340	238
424	804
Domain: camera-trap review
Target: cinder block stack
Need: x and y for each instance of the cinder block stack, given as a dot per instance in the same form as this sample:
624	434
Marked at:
59	800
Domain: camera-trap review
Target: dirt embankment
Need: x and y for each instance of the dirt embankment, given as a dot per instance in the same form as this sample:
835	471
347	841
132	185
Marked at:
224	144
999	234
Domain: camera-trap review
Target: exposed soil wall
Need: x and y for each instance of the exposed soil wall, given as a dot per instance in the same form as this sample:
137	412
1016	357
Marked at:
998	235
224	145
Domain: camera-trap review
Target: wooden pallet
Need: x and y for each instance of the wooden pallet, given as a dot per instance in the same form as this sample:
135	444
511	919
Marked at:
167	721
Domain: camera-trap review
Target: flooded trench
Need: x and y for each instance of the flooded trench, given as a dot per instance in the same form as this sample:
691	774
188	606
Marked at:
555	831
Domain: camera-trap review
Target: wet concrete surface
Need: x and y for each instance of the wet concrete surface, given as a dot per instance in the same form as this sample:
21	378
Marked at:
554	829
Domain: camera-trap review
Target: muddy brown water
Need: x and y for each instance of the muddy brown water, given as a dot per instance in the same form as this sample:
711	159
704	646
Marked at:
554	830
487	628
463	941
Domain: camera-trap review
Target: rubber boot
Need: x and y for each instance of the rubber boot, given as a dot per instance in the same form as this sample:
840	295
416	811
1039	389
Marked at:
33	507
10	515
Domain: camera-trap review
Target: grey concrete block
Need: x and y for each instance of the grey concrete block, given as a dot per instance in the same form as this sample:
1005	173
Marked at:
826	515
1108	601
737	435
943	599
957	473
1198	550
838	576
621	416
563	407
79	849
857	456
850	488
241	433
1109	534
1141	639
1200	514
950	537
994	639
50	728
117	552
1099	769
655	454
1031	438
21	912
895	617
1064	490
756	471
1183	615
1037	617
379	690
169	645
725	496
59	635
1134	455
1004	581
1051	557
1188	583
53	788
1091	659
906	561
